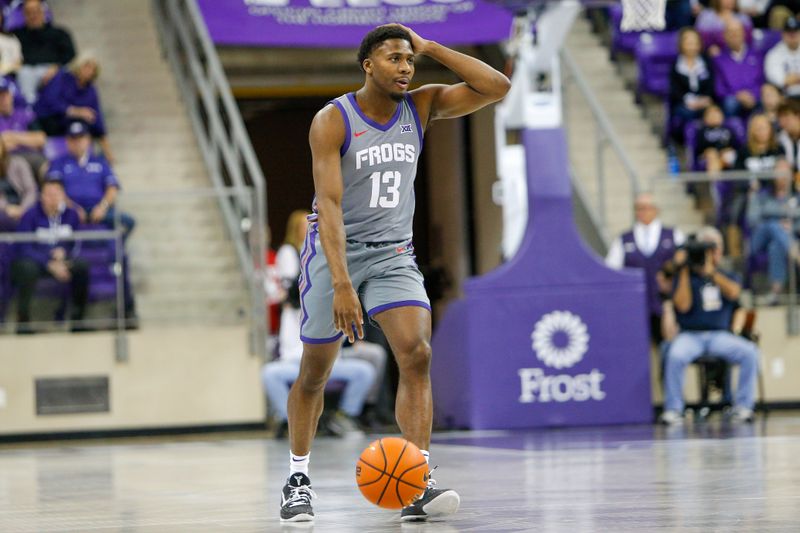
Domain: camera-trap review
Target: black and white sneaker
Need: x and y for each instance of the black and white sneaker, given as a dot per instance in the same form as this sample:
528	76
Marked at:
434	503
296	499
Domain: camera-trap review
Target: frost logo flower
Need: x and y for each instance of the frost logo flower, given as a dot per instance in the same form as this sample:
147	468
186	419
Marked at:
560	339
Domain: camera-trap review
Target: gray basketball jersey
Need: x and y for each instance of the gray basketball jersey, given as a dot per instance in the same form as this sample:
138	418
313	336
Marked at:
379	165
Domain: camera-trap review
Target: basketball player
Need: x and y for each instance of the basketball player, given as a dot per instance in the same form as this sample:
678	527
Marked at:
365	148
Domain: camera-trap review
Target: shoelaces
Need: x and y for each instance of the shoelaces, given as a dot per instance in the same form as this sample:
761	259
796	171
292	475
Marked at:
301	495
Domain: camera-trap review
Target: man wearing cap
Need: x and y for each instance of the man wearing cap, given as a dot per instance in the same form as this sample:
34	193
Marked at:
782	63
89	181
50	256
15	123
91	188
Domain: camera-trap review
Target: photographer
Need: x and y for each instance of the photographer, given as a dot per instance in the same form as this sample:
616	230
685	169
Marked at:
705	299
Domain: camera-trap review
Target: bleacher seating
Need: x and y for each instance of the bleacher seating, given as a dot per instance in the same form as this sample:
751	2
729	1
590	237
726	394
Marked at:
101	255
654	54
624	42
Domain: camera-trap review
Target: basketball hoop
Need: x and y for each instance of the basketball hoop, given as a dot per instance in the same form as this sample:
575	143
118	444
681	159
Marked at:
643	15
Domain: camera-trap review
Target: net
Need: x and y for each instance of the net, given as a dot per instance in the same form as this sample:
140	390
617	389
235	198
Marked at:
641	15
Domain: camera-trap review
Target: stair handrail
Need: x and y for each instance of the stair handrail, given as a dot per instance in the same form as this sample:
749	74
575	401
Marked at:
607	135
225	145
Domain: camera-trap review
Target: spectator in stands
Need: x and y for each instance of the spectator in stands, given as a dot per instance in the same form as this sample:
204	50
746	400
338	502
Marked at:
704	299
782	62
762	151
760	154
10	50
691	88
15	132
92	188
774	217
49	257
647	246
716	142
18	189
789	137
287	261
711	23
89	181
71	95
771	99
274	292
738	73
45	47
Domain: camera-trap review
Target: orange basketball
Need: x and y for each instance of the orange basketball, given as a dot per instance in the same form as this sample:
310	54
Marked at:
391	473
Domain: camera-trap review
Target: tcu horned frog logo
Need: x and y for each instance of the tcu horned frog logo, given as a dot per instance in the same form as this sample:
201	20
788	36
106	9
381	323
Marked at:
560	326
560	340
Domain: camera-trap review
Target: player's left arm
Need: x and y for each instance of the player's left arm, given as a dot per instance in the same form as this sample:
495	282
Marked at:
481	85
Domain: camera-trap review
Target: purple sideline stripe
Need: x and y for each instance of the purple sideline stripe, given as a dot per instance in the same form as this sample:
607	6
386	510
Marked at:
309	340
413	108
306	276
404	303
347	130
383	127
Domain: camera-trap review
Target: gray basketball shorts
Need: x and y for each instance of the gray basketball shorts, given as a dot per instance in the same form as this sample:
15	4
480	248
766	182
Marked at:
384	277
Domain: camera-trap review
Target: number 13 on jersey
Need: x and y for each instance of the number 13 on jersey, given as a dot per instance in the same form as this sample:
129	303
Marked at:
389	197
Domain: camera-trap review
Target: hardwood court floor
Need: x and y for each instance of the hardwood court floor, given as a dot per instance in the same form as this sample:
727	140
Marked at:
711	477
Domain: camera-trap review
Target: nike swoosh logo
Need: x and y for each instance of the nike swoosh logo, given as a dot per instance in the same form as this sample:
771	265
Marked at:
360	133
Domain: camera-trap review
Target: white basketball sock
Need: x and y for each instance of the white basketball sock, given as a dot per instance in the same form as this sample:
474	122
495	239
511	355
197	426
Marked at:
298	463
427	455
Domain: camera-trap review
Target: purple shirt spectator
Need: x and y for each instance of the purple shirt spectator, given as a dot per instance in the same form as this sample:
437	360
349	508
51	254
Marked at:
49	229
62	92
86	181
738	72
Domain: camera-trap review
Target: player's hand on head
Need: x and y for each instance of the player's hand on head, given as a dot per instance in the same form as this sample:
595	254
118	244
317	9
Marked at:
347	316
418	44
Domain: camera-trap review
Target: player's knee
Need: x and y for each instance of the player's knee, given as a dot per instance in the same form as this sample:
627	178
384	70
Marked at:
417	359
312	382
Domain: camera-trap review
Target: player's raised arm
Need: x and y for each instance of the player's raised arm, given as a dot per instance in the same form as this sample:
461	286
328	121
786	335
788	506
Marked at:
326	138
481	83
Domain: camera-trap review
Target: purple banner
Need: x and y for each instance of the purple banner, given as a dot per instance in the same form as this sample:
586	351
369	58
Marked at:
343	23
552	337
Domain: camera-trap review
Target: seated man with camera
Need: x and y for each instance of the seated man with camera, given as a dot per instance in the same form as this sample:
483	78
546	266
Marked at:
704	299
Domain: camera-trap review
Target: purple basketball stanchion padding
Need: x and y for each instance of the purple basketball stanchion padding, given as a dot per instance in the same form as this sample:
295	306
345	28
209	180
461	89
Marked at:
552	337
655	54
